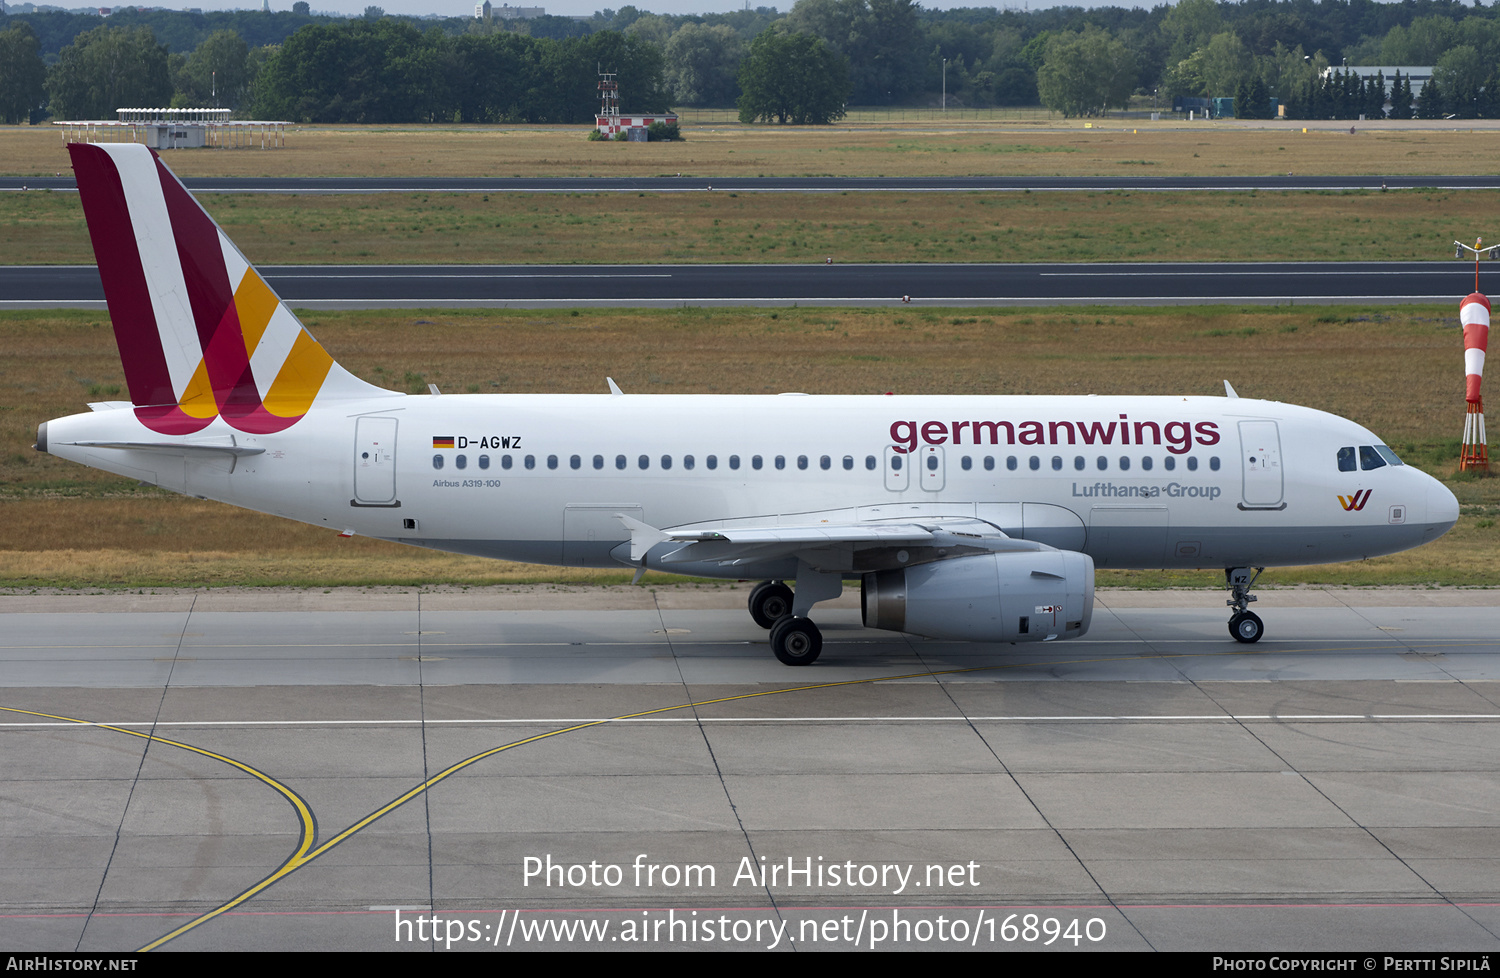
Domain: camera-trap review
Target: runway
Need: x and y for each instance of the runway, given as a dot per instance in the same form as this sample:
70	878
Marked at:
1150	786
567	286
737	184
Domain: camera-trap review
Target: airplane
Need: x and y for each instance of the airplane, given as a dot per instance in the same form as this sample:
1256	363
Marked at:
963	517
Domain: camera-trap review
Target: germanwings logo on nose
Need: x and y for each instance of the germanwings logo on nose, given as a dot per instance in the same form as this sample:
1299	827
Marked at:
1356	502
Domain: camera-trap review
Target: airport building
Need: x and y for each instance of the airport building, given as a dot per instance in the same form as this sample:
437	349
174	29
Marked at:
162	128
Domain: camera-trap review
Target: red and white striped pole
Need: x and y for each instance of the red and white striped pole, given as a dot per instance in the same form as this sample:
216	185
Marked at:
1474	313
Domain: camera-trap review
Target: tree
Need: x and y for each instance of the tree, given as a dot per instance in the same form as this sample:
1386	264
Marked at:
882	40
302	8
22	76
215	75
1086	73
703	64
1227	64
109	68
792	78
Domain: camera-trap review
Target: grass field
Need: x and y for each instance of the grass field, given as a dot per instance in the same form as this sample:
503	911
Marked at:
1397	371
867	146
48	228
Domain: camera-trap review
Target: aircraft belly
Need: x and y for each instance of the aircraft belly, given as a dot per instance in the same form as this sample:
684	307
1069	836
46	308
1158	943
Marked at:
1217	546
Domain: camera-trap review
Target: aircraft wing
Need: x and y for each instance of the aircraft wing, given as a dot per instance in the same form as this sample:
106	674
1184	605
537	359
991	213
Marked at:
850	546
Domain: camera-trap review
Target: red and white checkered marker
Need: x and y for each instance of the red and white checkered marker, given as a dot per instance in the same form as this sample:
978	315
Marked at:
1474	314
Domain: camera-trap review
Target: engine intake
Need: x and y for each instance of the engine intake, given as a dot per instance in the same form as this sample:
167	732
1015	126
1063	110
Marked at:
1021	597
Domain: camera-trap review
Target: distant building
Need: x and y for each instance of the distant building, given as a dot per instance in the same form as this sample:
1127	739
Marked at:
482	10
506	12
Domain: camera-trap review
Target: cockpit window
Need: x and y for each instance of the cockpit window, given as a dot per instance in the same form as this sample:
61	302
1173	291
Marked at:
1369	458
1388	455
1346	459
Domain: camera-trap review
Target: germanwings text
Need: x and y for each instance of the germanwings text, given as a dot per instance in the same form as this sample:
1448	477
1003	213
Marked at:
1178	436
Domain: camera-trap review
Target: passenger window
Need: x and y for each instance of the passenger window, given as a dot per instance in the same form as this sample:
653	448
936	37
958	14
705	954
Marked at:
666	461
1102	463
989	463
1036	463
1146	463
966	463
712	462
895	463
575	462
1010	463
1079	462
461	462
1125	464
734	461
1169	463
505	462
1213	462
437	461
598	461
551	461
530	461
755	462
1346	459
687	461
848	463
484	461
870	462
1369	458
620	461
781	461
644	462
825	463
1057	463
932	463
1192	465
801	461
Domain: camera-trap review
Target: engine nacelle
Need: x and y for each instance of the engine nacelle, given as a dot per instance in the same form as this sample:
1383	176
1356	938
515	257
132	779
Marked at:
1016	597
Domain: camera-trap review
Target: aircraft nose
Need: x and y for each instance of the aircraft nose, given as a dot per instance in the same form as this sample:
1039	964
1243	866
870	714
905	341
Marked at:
1442	505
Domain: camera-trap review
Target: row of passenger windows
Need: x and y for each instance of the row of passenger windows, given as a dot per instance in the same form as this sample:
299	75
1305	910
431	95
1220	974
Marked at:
825	462
644	462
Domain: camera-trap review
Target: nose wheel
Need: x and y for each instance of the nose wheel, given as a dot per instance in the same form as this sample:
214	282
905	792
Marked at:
1244	625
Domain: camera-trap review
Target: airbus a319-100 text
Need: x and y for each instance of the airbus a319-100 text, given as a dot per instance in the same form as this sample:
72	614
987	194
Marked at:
971	518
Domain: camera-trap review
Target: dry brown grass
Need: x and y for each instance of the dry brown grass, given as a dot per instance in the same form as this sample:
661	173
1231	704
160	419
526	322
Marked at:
43	228
1397	371
870	147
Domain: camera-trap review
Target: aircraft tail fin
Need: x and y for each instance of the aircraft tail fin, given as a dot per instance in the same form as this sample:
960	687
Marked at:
201	334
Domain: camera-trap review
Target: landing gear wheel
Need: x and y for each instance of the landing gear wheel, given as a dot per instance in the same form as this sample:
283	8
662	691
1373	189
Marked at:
770	601
1246	627
796	641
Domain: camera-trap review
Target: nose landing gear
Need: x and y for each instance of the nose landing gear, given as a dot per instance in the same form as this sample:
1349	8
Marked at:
1244	625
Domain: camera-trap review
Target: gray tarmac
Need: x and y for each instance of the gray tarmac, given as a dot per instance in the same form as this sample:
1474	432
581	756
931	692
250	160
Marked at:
642	774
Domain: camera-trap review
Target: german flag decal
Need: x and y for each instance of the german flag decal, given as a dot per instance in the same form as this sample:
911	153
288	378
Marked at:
442	441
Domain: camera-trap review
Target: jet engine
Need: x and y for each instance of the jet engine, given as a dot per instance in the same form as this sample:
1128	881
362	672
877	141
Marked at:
1016	597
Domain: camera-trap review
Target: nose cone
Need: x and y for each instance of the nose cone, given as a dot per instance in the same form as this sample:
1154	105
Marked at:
1442	507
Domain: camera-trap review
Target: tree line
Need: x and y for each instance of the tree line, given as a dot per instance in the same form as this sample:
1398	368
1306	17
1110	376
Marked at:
806	65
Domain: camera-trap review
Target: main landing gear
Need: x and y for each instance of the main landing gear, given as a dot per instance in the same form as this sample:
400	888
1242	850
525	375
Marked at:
1244	625
794	638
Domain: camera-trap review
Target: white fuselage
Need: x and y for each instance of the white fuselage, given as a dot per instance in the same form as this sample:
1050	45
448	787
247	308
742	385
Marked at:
1132	481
